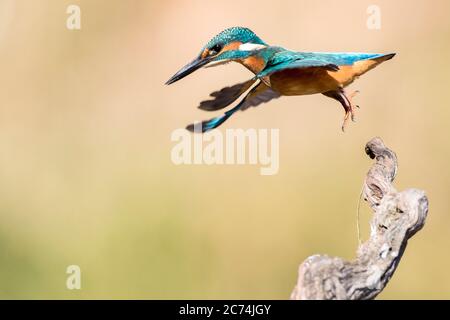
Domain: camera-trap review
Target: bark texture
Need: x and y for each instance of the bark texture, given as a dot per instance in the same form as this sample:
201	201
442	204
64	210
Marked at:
397	217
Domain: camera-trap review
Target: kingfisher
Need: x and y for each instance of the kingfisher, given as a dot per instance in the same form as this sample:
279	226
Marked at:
277	72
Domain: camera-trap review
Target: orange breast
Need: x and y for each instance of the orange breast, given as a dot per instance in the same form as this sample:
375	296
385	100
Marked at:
293	82
254	64
317	80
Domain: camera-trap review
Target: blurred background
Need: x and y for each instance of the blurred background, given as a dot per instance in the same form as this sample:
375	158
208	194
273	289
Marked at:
86	176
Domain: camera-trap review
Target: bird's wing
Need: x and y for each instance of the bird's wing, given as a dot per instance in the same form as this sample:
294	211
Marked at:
225	96
346	58
298	64
295	60
261	94
299	60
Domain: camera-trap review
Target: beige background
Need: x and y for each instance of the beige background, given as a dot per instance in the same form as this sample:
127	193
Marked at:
85	170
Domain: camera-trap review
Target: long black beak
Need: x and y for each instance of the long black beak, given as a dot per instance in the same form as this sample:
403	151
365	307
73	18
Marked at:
188	69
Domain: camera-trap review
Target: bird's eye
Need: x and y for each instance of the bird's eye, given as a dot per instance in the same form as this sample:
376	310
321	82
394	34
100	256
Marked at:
215	49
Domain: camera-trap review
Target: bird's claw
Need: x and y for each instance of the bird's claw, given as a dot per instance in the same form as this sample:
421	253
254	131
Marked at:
350	110
348	115
344	124
353	94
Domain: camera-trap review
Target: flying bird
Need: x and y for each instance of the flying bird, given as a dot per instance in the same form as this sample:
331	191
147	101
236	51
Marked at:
277	72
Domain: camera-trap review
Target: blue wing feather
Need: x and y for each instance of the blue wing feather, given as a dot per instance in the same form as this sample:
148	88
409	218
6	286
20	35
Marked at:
286	59
298	64
344	59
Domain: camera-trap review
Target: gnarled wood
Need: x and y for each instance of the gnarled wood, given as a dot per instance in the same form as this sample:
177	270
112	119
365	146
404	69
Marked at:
397	217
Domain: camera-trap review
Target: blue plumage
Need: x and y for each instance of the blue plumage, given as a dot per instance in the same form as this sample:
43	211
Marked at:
285	59
229	35
213	123
278	72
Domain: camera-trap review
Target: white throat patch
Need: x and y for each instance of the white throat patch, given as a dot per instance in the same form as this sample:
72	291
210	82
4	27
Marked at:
251	47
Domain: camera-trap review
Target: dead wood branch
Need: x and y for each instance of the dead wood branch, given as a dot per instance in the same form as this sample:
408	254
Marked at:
397	217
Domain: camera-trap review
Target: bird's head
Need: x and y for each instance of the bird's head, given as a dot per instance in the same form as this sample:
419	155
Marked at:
231	44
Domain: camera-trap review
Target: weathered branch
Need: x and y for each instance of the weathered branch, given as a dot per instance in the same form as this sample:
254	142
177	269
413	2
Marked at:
397	217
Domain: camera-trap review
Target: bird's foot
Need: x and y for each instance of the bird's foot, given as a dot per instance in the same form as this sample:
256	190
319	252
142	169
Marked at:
349	108
352	106
344	123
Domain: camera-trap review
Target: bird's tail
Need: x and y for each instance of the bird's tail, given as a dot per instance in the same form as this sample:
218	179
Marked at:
387	56
383	57
362	66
